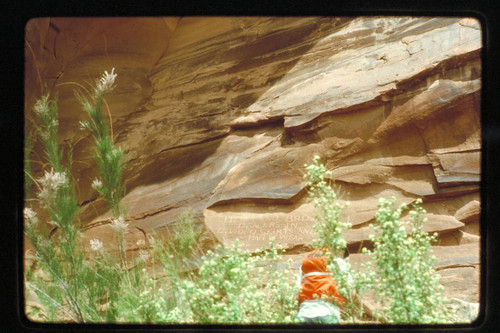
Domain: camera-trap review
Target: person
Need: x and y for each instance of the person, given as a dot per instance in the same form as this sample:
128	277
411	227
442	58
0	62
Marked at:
319	297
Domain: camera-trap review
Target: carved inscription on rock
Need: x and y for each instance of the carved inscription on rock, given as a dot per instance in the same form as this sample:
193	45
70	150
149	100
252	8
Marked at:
254	231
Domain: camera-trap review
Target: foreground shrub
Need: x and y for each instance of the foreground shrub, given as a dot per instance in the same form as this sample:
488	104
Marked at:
234	286
71	286
62	280
330	230
402	275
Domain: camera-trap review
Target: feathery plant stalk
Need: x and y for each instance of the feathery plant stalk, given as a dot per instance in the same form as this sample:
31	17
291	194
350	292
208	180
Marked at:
47	112
60	256
109	159
29	142
110	163
330	230
402	272
75	289
328	226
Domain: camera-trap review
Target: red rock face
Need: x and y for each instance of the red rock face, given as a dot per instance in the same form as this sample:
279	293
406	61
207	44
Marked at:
219	115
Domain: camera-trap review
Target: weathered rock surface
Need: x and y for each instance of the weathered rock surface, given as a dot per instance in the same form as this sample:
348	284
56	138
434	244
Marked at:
469	212
219	115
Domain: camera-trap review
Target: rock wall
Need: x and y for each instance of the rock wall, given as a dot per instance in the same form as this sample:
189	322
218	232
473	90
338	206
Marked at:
219	114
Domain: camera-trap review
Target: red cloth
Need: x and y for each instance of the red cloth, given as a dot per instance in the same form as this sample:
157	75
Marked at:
318	284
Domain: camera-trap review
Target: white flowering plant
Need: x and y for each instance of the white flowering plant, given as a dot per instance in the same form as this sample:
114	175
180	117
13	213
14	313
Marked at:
330	231
234	286
329	227
59	256
401	269
400	272
71	285
109	158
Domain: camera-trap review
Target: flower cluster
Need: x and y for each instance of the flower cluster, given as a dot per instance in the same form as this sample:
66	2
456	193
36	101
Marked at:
50	183
97	184
30	215
119	224
41	106
105	83
143	255
95	245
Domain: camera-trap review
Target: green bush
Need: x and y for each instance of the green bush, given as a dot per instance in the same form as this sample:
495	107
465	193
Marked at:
330	231
402	271
234	286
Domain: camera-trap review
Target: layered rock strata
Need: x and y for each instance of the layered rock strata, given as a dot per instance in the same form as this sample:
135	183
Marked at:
219	114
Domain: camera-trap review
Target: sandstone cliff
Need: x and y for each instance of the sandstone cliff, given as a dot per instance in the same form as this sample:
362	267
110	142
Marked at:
219	115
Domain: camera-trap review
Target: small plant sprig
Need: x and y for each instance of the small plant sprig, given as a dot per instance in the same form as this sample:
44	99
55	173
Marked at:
29	142
402	275
47	112
328	226
181	249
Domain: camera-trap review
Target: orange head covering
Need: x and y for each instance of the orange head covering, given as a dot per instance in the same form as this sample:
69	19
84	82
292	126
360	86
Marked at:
318	284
